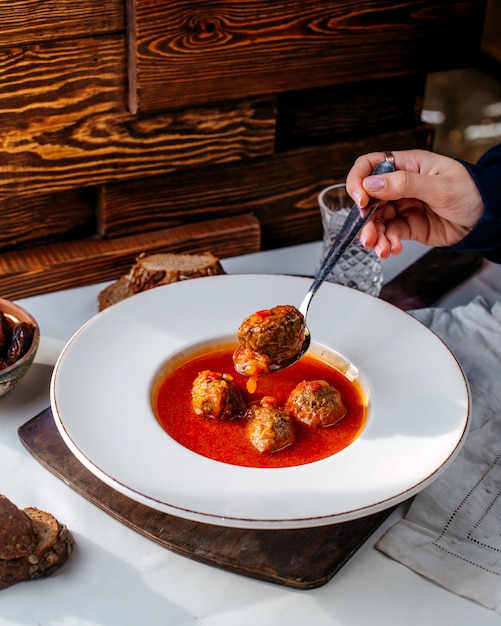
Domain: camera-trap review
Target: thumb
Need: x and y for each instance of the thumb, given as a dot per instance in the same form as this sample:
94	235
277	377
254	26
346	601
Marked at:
403	184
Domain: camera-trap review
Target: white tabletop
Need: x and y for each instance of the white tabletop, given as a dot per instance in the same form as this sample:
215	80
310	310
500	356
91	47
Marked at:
118	577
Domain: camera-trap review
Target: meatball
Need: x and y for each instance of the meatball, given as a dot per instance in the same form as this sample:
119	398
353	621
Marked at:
315	403
277	333
216	395
269	428
250	363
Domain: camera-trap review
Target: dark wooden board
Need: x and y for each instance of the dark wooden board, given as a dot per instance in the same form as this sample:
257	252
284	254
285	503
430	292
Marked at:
193	52
68	264
298	558
430	278
23	21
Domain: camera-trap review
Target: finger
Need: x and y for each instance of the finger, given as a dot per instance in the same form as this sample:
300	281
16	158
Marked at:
368	235
383	246
373	236
363	167
397	230
395	242
401	184
385	237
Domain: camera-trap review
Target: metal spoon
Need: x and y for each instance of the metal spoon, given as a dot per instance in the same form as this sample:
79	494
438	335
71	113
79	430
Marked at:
351	227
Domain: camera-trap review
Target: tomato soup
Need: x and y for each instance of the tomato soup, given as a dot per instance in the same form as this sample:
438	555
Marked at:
227	441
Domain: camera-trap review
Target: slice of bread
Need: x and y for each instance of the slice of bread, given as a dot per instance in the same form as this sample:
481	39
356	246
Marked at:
32	543
153	270
119	290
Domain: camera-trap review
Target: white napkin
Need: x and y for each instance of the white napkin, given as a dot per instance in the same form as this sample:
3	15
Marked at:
452	532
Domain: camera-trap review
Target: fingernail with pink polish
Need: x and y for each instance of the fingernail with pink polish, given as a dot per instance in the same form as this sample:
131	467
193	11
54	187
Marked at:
357	197
374	183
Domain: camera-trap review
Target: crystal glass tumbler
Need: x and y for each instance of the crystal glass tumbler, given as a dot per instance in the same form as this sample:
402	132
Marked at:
359	267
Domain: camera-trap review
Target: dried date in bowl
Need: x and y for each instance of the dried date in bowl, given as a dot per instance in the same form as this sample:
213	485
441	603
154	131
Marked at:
19	339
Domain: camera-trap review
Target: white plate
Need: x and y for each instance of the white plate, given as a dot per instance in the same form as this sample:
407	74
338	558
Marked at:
418	410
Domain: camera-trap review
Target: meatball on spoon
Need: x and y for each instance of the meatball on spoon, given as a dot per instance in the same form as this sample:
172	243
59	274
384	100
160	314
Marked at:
250	360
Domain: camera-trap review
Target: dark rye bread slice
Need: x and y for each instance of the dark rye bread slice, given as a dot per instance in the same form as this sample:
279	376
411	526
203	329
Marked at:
33	543
153	270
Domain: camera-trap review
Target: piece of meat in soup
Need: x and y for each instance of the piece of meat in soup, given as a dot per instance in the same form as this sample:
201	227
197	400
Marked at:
216	395
269	428
315	403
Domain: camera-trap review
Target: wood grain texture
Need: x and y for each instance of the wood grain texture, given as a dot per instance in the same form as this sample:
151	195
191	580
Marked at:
192	52
84	262
28	220
281	191
68	99
43	20
71	127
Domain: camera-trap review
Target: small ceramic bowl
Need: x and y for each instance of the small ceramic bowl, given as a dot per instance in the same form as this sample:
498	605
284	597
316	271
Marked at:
11	375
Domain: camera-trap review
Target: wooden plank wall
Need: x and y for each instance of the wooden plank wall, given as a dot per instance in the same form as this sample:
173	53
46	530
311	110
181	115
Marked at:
173	125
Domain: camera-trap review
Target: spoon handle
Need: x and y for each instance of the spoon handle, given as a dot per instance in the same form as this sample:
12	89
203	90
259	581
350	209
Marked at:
350	229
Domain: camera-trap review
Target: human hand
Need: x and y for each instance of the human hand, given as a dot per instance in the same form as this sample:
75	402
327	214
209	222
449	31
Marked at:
430	198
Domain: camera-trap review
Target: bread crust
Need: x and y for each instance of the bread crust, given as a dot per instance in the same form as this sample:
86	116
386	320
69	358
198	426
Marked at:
162	269
153	270
33	543
113	293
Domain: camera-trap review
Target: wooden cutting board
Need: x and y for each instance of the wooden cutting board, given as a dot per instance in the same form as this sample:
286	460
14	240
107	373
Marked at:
299	558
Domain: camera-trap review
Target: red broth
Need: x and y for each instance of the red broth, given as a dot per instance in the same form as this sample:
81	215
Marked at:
227	441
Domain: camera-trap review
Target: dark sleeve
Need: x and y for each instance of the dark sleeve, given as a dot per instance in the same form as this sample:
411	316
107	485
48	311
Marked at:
485	237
